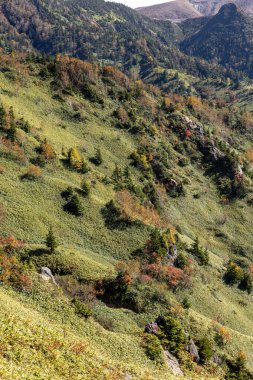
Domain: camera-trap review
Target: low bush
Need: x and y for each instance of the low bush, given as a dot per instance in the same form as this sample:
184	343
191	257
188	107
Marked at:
82	309
153	348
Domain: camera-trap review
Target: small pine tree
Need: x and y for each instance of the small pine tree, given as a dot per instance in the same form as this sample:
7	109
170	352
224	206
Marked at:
74	206
75	159
51	241
97	159
186	303
84	167
85	185
200	253
172	335
205	349
246	283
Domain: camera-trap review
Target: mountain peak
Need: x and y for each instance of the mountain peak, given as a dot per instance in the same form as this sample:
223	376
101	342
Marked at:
229	8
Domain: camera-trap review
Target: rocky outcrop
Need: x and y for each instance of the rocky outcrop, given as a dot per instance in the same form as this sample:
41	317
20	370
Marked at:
46	274
193	351
151	328
172	364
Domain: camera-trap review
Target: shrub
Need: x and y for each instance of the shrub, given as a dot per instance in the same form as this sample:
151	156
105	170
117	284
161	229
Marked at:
246	282
200	253
237	369
47	151
33	173
85	186
74	205
51	242
233	274
186	303
181	261
97	159
171	334
75	159
153	348
82	309
205	349
12	273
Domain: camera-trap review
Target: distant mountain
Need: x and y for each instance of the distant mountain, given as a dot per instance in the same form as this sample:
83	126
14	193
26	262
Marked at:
98	31
179	10
211	7
226	38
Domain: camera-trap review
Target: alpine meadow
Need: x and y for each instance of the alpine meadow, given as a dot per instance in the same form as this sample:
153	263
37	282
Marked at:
126	190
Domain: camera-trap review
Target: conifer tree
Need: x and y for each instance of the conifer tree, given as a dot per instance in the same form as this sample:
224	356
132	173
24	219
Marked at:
51	241
200	253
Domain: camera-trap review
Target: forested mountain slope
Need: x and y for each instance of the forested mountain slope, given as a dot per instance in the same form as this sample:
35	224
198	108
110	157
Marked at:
140	203
225	38
99	31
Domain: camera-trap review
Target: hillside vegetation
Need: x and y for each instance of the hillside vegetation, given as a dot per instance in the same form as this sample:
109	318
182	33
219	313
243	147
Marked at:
225	38
140	203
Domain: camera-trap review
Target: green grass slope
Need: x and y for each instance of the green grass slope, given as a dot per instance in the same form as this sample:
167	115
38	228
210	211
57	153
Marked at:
43	337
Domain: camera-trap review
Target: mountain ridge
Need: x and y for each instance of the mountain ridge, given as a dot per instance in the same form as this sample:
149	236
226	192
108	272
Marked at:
180	10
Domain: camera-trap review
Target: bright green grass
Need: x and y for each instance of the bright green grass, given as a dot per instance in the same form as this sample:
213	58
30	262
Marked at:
30	207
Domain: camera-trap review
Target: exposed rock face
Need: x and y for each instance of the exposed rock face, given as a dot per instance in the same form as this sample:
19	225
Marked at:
47	275
173	364
193	351
151	328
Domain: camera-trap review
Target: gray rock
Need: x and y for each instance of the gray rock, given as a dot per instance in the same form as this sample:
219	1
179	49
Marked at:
193	351
217	359
151	328
172	364
47	275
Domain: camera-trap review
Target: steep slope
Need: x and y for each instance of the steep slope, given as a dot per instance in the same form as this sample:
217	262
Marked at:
226	38
111	164
177	10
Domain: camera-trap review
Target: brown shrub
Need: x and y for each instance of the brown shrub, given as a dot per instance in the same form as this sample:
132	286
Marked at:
34	172
132	211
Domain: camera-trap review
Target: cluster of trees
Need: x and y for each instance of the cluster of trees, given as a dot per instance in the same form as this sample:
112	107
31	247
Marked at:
235	275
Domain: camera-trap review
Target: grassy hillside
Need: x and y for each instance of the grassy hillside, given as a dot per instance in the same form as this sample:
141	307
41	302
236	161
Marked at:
159	173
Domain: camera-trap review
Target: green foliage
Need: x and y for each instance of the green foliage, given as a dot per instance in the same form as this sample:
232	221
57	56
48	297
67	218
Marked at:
246	283
200	253
237	369
153	348
233	274
74	205
97	159
82	309
85	186
51	241
181	261
172	335
205	349
186	303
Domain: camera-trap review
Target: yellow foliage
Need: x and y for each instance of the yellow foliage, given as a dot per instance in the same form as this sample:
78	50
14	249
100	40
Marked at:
75	158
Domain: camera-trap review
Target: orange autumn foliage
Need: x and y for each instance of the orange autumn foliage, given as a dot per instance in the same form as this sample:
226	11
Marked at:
133	211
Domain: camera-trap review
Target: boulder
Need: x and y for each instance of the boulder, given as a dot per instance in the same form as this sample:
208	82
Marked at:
172	364
151	328
193	351
46	274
